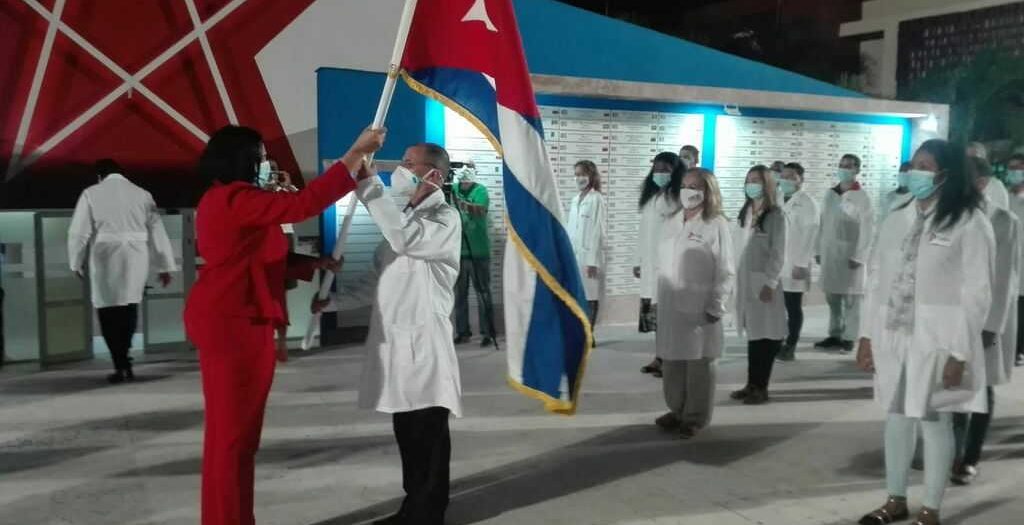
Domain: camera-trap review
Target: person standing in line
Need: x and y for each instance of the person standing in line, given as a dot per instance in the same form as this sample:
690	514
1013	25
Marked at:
760	312
411	370
843	244
659	201
929	295
117	226
993	189
802	224
236	304
696	278
999	337
472	201
1015	181
587	232
899	196
690	156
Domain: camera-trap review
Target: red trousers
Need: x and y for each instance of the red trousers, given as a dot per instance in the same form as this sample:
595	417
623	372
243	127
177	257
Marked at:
237	360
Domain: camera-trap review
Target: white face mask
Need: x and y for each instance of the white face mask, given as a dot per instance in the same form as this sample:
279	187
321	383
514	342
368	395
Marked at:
582	183
691	198
404	182
264	178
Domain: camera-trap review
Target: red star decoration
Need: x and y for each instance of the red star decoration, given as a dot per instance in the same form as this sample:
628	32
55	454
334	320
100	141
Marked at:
157	129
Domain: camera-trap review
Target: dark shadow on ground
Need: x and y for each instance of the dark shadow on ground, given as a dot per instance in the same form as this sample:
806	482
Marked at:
12	461
63	384
613	455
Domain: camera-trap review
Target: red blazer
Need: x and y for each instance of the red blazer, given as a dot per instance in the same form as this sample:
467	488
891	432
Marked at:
245	253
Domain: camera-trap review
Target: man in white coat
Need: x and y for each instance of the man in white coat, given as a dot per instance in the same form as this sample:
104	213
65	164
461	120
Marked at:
843	243
411	369
992	188
999	338
116	224
802	223
1015	181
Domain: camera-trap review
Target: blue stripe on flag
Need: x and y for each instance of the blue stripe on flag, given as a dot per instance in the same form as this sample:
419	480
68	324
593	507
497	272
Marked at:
469	89
555	341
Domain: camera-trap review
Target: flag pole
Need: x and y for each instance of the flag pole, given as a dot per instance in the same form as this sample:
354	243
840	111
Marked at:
404	23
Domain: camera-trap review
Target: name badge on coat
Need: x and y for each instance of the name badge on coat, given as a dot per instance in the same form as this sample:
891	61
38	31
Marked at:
939	240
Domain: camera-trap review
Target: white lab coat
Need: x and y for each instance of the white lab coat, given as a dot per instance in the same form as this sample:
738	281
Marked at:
117	225
953	296
761	265
411	362
657	210
1017	207
802	223
845	235
587	231
894	199
1002	317
995	193
695	279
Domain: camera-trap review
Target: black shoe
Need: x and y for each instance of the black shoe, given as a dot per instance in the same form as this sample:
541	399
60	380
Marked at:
757	396
486	341
829	342
742	393
787	355
459	339
964	475
116	377
129	374
846	347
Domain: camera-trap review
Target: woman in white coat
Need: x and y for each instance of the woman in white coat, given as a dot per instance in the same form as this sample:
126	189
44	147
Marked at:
924	313
695	281
587	227
760	312
802	222
1000	334
659	201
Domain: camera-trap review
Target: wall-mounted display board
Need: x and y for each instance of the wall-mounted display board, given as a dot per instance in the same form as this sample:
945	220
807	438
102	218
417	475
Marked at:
621	143
818	145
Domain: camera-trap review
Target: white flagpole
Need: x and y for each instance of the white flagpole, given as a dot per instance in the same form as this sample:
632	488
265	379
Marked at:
405	22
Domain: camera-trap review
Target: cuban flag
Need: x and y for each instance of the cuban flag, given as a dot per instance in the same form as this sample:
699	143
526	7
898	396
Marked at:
468	55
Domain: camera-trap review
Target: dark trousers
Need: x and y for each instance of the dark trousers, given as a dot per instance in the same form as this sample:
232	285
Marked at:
117	324
1020	325
794	316
595	306
426	449
479	272
970	430
760	359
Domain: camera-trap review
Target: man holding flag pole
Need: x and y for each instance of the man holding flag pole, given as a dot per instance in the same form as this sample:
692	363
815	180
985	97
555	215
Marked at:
468	55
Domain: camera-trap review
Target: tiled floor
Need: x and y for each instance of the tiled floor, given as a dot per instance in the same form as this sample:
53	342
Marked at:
74	450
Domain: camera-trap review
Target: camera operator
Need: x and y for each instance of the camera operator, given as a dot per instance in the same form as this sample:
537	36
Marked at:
472	201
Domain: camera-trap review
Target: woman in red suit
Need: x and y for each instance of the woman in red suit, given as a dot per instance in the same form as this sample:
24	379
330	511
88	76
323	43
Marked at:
236	304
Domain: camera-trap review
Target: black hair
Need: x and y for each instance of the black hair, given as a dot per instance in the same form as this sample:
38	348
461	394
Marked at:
231	155
958	193
906	166
104	167
797	167
650	189
856	159
979	167
1018	157
749	203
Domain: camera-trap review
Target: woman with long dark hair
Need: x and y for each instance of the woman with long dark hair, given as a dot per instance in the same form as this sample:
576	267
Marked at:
237	303
928	298
659	200
760	311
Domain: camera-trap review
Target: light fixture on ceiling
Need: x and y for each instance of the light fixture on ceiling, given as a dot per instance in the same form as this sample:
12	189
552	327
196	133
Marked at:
732	109
930	124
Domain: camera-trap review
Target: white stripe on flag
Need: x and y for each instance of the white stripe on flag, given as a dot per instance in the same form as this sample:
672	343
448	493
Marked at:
527	159
519	281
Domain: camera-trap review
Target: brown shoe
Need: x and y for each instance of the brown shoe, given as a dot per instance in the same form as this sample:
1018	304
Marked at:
895	509
927	517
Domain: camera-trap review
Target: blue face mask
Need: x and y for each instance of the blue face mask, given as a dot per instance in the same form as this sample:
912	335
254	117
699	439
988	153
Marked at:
661	178
1014	177
845	176
788	187
921	183
903	179
754	190
263	177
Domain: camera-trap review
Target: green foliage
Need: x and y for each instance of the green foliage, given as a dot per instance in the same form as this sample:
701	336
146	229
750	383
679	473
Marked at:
985	96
